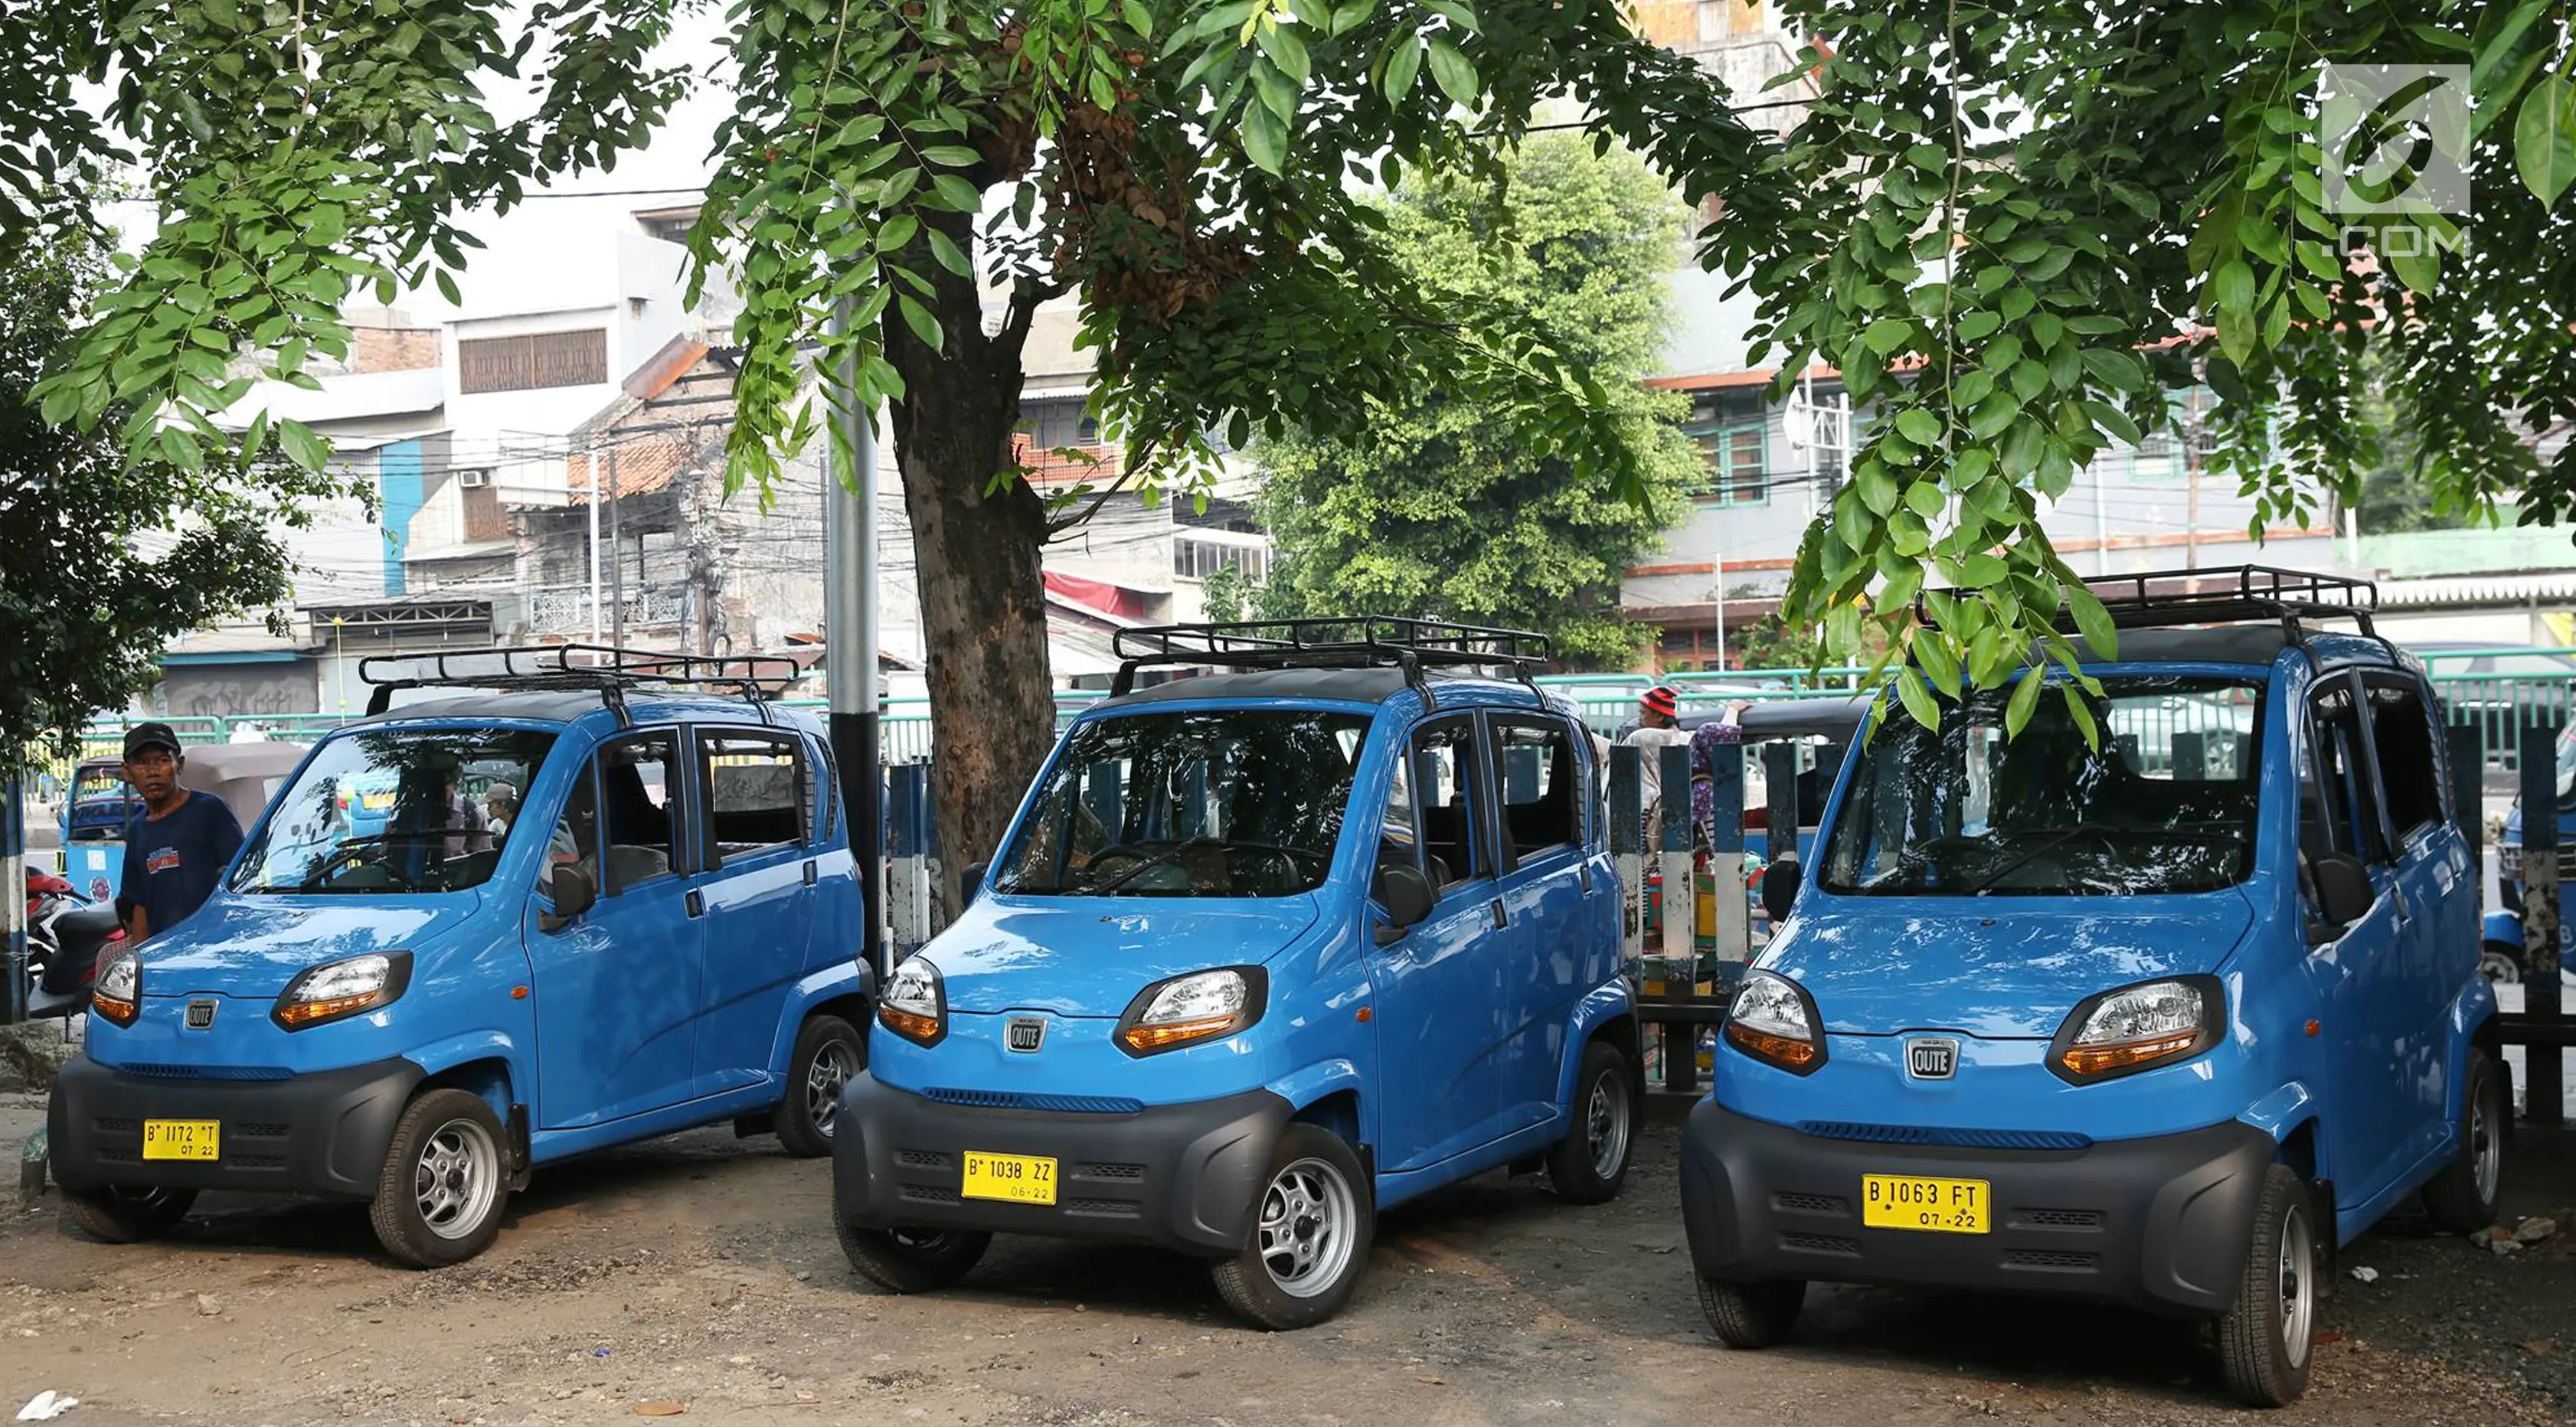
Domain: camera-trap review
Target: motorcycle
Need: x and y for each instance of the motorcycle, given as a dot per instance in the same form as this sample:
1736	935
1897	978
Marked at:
68	936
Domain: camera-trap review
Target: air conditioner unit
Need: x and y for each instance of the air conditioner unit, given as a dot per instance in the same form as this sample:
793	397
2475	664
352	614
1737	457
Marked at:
473	480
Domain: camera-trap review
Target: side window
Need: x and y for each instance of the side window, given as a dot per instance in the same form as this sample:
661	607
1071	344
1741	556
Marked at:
2410	762
1540	778
636	776
752	792
823	802
1399	842
2338	812
576	835
1444	789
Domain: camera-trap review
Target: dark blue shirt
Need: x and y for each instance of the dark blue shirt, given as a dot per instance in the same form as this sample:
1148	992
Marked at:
171	862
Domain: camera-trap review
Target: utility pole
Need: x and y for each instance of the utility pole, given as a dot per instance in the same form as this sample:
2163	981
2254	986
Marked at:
851	638
2191	469
616	561
591	472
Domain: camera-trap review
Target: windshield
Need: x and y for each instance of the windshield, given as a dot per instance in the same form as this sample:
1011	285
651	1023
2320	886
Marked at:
2567	764
1232	803
2166	805
391	811
96	783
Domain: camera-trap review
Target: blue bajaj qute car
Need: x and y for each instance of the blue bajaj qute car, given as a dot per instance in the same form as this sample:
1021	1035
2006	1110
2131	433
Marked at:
2157	1024
1263	953
417	1016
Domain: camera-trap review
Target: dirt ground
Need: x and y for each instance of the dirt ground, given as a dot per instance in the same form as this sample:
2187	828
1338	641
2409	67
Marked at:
701	1271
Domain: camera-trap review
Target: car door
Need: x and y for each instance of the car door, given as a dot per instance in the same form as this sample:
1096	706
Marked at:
1539	844
1441	1014
757	867
2359	972
2438	936
617	987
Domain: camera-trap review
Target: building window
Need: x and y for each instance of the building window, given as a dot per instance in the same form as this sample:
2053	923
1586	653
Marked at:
2154	460
1738	454
1198	559
1053	423
533	362
481	504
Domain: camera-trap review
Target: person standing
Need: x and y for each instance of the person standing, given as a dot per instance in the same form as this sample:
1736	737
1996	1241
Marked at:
178	846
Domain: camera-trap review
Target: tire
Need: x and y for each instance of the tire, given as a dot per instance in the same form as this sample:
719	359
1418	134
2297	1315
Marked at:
828	1052
127	1215
910	1260
2267	1342
2499	963
1309	1239
2464	1197
1752	1315
1591	1162
445	1183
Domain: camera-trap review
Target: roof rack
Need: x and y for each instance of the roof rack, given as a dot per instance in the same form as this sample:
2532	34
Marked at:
607	669
2228	594
1352	642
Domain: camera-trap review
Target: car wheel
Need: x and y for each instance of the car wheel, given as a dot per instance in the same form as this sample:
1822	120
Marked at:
1589	1164
1310	1235
123	1215
910	1260
2500	963
1752	1315
2267	1341
2463	1198
445	1181
828	1053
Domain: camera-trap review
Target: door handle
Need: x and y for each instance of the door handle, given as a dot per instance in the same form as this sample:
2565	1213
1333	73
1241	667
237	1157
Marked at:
696	902
809	874
1501	918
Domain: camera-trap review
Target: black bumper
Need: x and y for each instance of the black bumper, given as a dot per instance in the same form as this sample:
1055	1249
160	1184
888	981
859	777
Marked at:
322	1134
2160	1224
1180	1177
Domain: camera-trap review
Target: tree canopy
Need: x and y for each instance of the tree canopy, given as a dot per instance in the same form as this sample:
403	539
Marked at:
1438	504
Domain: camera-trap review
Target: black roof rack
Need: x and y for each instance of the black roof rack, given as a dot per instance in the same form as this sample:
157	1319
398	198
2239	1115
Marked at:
609	670
1352	642
2228	594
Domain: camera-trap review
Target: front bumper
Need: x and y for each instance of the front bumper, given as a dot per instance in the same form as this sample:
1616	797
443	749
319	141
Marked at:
2160	1223
1183	1177
322	1134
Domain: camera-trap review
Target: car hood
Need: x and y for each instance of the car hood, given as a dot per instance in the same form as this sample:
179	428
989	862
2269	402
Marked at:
253	946
1089	956
1986	968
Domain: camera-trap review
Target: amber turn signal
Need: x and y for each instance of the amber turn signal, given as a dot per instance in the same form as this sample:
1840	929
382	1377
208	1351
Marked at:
922	1029
1167	1034
113	1011
1782	1051
309	1013
2092	1060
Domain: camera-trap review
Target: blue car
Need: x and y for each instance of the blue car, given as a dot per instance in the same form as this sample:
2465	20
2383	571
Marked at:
416	1017
1263	953
2158	1022
2503	933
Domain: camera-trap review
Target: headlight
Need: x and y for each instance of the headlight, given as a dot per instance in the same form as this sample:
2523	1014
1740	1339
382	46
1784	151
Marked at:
2139	1027
914	1005
338	990
1186	1010
1773	1021
119	995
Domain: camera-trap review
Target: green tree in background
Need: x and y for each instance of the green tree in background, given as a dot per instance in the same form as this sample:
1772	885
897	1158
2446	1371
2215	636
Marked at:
101	562
1445	503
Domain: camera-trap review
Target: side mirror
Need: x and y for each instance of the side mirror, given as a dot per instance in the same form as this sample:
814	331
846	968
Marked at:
1407	896
573	893
971	883
2344	893
1780	887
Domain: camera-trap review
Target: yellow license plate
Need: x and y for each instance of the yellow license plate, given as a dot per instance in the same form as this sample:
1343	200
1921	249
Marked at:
1016	1178
1942	1206
181	1139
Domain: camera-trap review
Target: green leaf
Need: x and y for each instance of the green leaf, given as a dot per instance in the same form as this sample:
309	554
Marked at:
1925	499
2091	619
1265	138
1403	64
1878	490
923	324
1940	663
1139	18
897	231
2231	288
1455	73
2419	269
1287	51
308	451
2025	699
1917	698
1981	570
1920	427
950	256
1887	334
2118	370
956	194
2115	421
2544	139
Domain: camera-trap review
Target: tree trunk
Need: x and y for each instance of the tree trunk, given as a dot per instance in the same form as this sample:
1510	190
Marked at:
983	599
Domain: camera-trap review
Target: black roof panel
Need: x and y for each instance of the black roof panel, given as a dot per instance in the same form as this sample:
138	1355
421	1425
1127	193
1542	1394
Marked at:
1362	686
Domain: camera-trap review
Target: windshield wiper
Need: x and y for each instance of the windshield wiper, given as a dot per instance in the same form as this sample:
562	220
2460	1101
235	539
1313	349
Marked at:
2061	838
1157	860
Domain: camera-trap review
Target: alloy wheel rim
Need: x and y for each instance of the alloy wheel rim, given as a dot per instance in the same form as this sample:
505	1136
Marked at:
2298	1287
824	1080
1309	1217
1605	1123
456	1178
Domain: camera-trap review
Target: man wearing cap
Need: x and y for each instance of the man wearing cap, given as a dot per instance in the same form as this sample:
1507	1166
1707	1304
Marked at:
178	845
